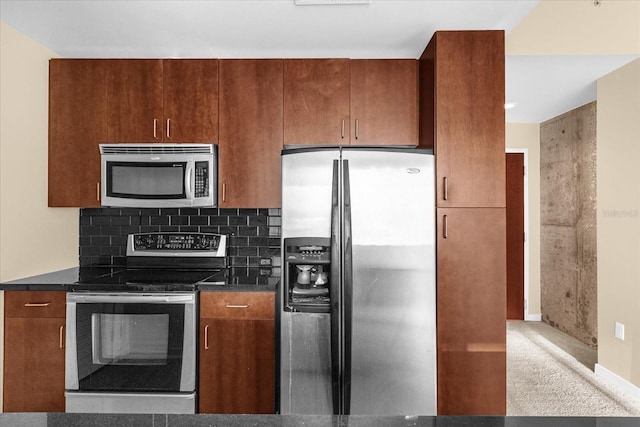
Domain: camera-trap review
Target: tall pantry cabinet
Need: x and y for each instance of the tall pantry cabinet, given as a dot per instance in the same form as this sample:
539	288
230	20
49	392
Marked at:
462	118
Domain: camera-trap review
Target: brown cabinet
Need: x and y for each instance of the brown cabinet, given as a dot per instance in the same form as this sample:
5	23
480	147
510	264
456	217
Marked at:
384	102
316	101
461	77
155	100
342	102
251	111
237	352
122	100
77	125
34	339
471	311
462	116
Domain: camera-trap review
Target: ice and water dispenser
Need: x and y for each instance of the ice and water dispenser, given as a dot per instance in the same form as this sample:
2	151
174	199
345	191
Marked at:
307	274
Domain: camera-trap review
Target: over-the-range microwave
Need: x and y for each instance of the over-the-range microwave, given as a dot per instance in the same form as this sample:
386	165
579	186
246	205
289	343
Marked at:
159	175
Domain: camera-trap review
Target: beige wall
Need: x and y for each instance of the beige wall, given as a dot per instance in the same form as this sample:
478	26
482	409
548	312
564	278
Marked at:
527	136
577	27
619	220
34	239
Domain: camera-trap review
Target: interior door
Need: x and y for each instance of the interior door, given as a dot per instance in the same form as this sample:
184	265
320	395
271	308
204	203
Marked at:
515	236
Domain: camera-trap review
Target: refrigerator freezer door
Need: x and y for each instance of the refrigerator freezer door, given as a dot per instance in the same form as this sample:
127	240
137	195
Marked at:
305	338
393	343
305	381
306	192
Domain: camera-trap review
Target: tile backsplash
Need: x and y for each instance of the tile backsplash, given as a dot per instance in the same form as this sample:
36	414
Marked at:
254	234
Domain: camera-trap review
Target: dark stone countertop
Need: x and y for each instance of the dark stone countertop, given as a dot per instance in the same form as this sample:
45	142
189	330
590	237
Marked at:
237	279
163	420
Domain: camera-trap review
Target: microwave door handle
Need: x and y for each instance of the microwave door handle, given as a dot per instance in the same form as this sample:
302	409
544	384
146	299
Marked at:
187	183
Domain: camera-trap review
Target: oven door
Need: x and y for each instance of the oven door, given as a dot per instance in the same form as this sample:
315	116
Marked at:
131	342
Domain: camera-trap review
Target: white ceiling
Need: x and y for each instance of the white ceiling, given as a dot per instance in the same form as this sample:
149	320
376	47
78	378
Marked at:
542	87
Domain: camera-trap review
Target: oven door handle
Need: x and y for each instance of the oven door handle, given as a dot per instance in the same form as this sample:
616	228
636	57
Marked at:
130	299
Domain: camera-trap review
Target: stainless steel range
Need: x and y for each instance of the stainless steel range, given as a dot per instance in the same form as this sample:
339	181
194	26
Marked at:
132	332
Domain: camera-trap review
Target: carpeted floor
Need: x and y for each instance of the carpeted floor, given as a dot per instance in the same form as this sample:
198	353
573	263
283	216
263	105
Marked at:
551	374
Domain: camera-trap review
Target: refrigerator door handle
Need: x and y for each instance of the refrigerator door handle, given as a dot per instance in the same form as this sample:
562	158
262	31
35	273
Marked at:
347	290
334	291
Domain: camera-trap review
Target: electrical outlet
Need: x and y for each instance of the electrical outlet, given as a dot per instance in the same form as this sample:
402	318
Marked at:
619	333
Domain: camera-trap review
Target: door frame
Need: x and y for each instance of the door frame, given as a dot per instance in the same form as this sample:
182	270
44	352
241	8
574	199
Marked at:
525	152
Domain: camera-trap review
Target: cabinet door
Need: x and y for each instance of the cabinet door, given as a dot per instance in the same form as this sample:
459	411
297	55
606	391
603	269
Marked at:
384	102
467	104
135	100
190	94
251	111
34	365
77	125
316	101
237	366
471	311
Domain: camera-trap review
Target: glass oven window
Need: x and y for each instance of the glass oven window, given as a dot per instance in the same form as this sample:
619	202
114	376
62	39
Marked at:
130	346
130	339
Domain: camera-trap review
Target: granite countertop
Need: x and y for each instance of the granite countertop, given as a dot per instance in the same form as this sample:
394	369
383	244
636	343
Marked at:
237	279
163	420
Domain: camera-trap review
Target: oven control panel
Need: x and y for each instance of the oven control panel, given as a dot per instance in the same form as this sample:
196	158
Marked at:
184	244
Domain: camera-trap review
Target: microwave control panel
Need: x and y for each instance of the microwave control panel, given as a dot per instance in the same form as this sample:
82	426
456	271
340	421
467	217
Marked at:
201	188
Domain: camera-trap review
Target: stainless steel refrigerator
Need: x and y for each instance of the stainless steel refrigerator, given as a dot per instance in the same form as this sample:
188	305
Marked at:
356	300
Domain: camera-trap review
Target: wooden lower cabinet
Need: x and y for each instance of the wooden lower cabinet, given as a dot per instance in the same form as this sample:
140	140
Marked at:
471	311
34	328
237	353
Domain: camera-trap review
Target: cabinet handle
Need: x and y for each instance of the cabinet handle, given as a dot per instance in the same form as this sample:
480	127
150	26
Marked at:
169	128
98	191
206	337
445	188
224	191
155	128
37	304
62	337
237	305
445	227
342	129
357	129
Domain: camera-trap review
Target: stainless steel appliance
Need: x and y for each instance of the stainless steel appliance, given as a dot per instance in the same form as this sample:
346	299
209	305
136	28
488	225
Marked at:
357	296
132	332
159	175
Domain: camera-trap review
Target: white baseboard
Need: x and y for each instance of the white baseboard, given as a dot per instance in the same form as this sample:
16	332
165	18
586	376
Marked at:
619	382
533	317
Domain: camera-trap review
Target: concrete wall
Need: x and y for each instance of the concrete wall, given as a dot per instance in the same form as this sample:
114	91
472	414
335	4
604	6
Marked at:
568	223
619	221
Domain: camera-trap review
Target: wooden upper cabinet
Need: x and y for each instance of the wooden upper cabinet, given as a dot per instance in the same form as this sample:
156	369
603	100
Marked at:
190	94
77	125
135	100
251	111
384	102
342	102
154	100
462	79
316	101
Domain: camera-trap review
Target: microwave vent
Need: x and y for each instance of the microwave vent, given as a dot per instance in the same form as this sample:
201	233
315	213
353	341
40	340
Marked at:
156	149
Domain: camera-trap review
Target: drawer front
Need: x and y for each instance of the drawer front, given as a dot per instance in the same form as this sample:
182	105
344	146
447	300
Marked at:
243	305
25	304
